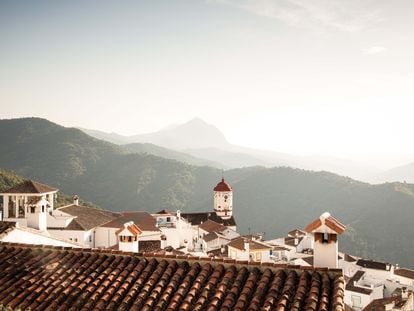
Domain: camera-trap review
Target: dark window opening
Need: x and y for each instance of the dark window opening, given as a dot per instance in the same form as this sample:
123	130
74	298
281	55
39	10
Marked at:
325	237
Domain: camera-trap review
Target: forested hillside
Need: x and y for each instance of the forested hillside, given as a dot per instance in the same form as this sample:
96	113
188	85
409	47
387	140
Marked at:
275	200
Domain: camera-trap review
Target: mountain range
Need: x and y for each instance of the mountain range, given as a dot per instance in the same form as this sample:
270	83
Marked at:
271	200
206	142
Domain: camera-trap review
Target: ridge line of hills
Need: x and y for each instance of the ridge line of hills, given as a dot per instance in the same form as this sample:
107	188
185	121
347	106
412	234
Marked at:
182	142
271	200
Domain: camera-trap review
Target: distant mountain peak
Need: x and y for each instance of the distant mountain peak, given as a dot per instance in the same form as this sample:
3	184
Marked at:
195	133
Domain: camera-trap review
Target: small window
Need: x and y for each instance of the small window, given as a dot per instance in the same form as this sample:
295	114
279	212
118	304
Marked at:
32	209
325	237
76	239
43	208
90	238
168	219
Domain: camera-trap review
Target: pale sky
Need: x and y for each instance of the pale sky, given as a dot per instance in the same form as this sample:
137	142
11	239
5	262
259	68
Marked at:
332	77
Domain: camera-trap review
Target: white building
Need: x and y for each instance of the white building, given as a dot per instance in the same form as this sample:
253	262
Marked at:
28	204
177	231
13	232
128	237
361	290
244	248
211	235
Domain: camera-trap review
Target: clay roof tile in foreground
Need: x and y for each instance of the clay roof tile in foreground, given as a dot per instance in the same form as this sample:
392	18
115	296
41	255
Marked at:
53	278
30	186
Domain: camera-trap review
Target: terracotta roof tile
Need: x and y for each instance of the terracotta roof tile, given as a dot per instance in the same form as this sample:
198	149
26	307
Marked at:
371	264
212	226
223	186
198	218
407	273
87	217
330	222
30	186
143	220
56	279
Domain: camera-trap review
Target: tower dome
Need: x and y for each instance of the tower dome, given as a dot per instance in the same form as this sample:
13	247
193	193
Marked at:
223	199
223	186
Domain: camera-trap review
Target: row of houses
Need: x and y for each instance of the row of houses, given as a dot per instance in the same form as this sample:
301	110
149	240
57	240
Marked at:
29	216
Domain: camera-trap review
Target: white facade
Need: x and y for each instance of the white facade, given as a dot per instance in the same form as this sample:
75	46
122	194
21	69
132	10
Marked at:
128	238
359	301
82	237
105	237
252	250
31	236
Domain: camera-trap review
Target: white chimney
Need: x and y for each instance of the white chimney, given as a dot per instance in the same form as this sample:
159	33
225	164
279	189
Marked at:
404	293
246	246
75	200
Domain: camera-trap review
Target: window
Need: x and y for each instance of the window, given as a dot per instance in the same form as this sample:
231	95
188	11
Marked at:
325	237
32	209
43	208
168	219
76	239
356	301
90	238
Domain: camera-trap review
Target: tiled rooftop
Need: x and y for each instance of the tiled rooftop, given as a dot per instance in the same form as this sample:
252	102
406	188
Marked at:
87	217
53	278
30	186
199	218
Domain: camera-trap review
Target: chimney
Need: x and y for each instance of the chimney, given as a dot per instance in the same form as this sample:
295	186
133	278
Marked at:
75	200
404	293
246	245
178	214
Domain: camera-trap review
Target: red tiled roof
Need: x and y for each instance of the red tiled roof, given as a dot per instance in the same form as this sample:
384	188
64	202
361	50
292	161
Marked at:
143	220
30	186
371	264
407	273
223	186
379	304
50	278
212	226
253	245
87	217
131	227
198	218
330	221
6	226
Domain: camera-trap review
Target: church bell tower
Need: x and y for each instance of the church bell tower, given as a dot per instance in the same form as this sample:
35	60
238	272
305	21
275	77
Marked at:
223	200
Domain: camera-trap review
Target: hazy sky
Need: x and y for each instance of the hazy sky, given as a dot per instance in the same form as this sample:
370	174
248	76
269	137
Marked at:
329	77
